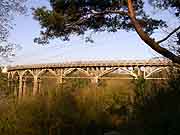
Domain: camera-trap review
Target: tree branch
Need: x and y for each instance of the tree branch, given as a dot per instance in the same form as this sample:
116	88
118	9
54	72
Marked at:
147	39
109	12
95	13
116	12
169	35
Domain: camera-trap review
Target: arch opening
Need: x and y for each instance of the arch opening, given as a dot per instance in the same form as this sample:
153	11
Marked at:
47	82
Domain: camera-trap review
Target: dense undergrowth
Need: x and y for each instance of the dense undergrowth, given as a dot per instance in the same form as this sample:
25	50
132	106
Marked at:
149	108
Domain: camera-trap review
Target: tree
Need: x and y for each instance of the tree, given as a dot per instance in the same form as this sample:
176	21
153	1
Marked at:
68	17
165	5
3	84
8	8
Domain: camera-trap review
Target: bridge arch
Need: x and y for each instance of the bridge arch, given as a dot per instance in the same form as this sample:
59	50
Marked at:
74	70
14	74
28	79
156	70
45	70
93	70
15	82
68	71
124	69
44	78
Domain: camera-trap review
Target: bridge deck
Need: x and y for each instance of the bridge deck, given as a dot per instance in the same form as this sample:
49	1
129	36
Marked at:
81	64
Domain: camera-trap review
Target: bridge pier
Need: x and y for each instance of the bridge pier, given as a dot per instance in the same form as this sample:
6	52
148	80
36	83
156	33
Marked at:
59	80
39	85
95	80
10	84
24	86
35	85
20	87
15	88
9	80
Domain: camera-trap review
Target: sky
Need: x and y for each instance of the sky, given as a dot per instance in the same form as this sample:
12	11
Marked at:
106	46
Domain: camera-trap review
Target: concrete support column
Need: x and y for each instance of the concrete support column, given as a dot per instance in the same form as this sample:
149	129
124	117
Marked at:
60	79
138	73
35	85
95	80
59	75
144	73
88	69
20	86
24	87
10	84
14	88
39	86
9	80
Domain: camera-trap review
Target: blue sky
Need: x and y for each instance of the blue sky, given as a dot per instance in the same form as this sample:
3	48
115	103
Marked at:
107	46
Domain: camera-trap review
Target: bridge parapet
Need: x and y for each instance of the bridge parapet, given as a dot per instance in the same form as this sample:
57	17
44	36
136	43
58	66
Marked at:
81	64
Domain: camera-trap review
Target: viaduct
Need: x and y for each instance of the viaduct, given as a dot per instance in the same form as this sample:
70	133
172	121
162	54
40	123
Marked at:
92	70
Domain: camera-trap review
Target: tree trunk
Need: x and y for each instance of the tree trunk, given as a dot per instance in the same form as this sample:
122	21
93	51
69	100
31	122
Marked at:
147	39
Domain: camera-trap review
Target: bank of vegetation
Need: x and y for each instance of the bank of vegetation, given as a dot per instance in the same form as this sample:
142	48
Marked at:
136	107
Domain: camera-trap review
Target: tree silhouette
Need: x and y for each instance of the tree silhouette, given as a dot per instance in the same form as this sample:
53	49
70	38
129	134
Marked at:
69	17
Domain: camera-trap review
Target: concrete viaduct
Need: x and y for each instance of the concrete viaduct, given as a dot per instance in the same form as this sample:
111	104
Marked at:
92	70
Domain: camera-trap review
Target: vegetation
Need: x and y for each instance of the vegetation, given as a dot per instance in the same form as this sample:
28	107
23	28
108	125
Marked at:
158	111
76	17
3	84
8	8
144	108
73	111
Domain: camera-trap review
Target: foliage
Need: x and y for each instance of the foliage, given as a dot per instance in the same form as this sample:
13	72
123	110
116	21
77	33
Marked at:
158	111
96	110
165	4
76	17
8	8
169	4
3	83
71	111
